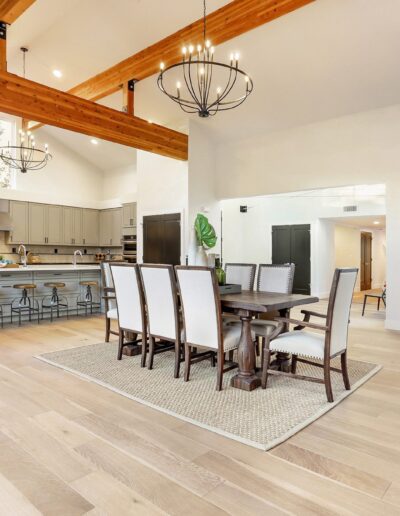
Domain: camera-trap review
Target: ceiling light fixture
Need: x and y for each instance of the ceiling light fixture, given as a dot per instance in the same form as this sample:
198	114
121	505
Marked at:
376	222
25	156
199	90
57	73
94	141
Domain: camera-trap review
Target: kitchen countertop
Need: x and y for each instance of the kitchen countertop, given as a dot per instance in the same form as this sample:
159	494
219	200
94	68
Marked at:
51	268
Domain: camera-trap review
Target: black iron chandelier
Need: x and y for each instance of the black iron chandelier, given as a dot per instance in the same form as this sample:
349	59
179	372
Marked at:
25	156
198	88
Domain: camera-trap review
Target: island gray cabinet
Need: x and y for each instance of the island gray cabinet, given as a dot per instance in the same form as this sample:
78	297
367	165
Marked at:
90	227
19	213
111	227
129	215
72	225
45	224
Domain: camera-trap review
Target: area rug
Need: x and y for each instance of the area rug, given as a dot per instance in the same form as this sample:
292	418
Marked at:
261	418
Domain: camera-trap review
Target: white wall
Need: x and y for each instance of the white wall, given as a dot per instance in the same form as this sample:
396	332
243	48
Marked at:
356	149
201	185
120	185
162	187
67	179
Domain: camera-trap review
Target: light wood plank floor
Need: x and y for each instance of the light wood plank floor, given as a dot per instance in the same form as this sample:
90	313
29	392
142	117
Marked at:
69	447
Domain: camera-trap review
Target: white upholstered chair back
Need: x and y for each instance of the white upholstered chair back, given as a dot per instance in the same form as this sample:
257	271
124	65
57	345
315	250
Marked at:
275	278
160	294
241	274
339	307
129	297
108	283
200	303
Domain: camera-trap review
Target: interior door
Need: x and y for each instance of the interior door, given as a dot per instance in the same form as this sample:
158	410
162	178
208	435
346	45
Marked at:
162	239
366	261
291	244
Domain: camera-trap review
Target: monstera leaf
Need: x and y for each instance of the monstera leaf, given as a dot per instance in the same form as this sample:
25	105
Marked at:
205	233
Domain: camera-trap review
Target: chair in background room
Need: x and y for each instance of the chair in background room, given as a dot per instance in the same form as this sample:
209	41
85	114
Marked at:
159	286
202	320
110	303
320	346
378	297
130	306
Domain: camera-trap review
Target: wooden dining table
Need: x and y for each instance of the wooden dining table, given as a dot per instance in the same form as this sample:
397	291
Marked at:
246	305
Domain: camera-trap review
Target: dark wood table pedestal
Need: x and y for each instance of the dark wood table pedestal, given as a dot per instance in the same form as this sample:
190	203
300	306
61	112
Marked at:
246	379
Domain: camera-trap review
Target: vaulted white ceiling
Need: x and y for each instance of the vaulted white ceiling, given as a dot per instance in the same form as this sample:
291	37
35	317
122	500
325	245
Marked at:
325	60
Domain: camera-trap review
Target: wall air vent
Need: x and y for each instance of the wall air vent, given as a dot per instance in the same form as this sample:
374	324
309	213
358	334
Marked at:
350	208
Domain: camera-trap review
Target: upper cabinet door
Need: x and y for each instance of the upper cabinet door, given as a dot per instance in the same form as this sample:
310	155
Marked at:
20	217
37	223
90	227
116	227
54	224
68	225
105	227
77	215
129	215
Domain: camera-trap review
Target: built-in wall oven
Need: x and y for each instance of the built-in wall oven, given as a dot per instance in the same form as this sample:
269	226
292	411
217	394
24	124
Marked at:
129	248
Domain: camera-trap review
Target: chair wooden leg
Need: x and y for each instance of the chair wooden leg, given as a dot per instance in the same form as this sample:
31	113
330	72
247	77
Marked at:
120	344
177	358
294	364
108	329
188	353
220	369
379	303
265	367
345	372
231	356
365	300
261	341
144	348
327	380
151	351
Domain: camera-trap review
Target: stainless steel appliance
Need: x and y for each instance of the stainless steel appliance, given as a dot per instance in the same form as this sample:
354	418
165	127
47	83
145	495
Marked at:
129	248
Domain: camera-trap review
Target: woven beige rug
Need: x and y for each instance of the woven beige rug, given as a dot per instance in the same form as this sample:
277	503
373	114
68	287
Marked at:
261	418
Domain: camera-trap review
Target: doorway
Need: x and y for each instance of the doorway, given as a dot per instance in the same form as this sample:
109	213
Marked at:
366	261
162	239
291	244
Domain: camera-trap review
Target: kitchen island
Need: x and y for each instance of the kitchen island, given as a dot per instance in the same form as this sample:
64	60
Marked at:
39	275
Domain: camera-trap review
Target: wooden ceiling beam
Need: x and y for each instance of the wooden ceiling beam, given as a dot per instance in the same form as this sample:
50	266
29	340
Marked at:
30	100
226	23
10	10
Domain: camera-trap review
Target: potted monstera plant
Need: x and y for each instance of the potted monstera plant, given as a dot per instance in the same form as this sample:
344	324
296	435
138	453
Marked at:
205	236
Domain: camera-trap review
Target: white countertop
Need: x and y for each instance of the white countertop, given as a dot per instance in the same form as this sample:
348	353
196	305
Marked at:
51	268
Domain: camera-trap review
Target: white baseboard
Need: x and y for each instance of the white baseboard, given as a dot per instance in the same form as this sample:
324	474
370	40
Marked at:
392	324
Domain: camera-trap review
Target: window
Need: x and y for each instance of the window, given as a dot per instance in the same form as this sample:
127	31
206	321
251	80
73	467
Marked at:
7	133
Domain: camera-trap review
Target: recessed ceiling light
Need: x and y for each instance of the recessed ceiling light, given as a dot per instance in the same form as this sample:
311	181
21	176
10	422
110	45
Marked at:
57	73
376	222
94	141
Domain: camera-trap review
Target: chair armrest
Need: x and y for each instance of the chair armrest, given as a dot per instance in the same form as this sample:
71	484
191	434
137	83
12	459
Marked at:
108	297
302	324
314	314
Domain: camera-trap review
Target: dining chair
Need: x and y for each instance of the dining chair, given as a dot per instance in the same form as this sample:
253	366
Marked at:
325	346
202	320
130	306
276	278
378	298
242	274
159	286
110	303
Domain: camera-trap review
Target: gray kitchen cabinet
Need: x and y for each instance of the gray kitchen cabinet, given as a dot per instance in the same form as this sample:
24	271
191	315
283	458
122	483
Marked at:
72	225
90	227
129	215
110	227
19	213
45	224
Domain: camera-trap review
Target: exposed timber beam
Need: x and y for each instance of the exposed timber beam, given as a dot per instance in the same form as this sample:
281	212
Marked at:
33	101
226	23
10	10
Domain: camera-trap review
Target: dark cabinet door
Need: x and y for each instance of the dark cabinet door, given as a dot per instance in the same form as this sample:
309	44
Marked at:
366	261
162	239
291	244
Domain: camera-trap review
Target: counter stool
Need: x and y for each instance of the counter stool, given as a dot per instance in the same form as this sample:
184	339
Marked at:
54	302
24	304
88	302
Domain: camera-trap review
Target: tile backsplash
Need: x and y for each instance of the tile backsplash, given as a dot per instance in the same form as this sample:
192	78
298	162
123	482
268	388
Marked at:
47	254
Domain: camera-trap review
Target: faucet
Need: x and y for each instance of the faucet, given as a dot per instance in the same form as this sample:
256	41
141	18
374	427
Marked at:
75	256
23	257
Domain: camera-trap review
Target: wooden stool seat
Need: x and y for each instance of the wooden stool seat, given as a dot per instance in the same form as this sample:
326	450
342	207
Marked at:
25	286
54	284
88	283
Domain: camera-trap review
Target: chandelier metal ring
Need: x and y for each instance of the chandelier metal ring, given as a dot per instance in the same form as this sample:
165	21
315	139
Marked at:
29	158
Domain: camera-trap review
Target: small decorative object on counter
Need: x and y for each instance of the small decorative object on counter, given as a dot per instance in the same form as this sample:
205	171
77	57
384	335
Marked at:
219	271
